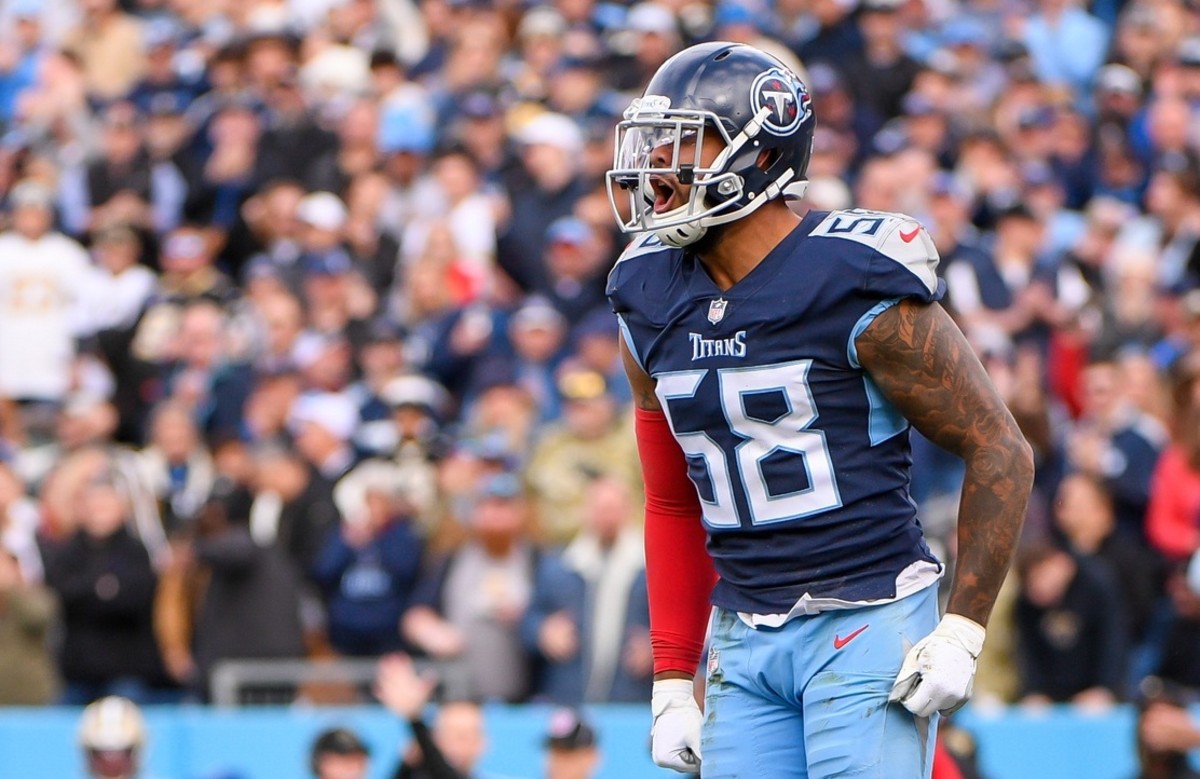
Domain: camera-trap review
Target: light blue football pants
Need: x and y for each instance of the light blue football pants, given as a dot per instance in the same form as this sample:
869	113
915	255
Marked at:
808	700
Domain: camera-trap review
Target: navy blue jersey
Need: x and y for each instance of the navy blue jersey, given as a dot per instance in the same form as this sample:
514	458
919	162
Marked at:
800	463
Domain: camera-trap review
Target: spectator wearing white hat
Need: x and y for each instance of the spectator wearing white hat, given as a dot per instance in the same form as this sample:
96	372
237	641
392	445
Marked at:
325	362
322	217
43	306
1118	95
551	145
334	292
368	566
417	408
540	38
323	423
324	214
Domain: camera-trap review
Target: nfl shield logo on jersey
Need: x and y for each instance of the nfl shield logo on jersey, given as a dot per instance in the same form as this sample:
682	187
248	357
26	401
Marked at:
716	310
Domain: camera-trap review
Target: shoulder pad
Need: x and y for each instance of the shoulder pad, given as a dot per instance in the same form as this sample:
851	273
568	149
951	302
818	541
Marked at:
896	236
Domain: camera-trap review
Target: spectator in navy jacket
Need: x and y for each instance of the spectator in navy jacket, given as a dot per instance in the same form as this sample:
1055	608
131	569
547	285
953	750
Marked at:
369	565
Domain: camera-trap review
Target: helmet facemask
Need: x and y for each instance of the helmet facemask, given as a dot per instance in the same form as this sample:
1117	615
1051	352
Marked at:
717	191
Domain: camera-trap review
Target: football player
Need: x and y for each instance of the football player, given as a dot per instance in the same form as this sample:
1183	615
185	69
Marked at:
777	363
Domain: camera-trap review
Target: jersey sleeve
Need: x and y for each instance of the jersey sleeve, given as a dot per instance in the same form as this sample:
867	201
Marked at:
629	296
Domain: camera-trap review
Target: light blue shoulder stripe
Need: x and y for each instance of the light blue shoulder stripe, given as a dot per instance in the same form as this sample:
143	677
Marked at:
628	337
862	324
884	420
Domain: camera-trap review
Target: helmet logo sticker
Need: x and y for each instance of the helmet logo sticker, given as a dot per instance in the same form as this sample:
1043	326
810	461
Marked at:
785	96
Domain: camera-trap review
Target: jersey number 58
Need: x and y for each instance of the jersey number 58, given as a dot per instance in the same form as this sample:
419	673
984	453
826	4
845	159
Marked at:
760	438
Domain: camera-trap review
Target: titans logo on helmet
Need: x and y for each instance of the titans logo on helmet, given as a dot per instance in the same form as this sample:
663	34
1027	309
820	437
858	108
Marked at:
787	100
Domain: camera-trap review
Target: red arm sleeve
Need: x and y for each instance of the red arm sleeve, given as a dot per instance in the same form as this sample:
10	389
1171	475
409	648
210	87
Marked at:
679	572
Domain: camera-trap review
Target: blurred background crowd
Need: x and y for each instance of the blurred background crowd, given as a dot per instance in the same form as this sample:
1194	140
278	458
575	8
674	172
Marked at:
304	351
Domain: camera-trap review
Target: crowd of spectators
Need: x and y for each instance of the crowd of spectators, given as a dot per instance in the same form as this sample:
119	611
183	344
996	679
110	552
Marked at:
304	350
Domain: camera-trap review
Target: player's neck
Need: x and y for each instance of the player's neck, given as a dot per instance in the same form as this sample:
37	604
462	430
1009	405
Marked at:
740	246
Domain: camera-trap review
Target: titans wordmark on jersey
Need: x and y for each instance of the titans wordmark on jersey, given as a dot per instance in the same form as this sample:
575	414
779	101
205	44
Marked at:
800	463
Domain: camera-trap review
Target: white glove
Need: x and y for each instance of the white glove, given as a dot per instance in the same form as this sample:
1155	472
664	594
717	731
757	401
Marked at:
939	672
675	734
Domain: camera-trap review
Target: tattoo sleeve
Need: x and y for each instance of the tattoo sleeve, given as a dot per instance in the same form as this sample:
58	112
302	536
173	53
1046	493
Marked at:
923	364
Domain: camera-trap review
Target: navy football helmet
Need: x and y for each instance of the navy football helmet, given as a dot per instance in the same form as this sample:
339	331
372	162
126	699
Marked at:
751	100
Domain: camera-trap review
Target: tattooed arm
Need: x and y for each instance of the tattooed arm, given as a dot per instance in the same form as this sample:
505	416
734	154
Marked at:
923	364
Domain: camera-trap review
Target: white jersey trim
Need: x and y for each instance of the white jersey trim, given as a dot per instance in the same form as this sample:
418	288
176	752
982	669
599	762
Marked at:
910	581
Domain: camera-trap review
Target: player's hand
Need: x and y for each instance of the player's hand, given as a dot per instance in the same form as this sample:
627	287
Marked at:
675	734
939	672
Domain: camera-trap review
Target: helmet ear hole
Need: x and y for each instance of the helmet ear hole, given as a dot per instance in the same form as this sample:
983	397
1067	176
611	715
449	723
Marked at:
767	158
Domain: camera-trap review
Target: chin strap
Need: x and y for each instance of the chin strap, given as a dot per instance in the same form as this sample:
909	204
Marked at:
682	235
796	190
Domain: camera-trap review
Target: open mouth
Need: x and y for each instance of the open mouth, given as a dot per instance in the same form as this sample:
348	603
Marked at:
664	194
